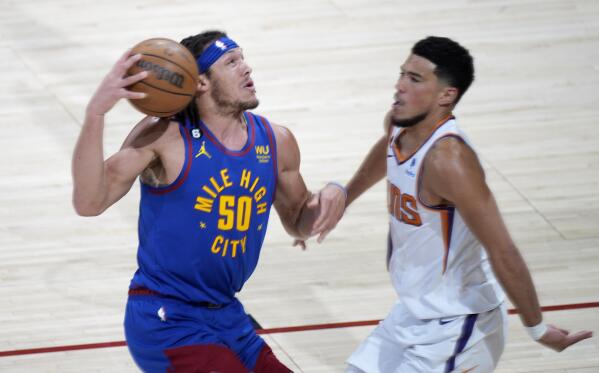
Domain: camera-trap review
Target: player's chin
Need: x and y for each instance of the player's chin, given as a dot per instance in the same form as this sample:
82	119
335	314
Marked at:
250	104
397	114
403	112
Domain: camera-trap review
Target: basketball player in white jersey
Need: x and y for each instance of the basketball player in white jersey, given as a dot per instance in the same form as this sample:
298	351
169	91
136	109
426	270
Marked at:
450	253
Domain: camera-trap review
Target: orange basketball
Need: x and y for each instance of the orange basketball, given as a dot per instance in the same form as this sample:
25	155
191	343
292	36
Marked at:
172	79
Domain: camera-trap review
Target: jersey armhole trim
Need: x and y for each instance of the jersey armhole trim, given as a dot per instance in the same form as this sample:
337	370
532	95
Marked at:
397	151
421	172
184	170
273	143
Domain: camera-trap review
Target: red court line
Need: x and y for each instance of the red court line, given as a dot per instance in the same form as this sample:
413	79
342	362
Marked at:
62	348
288	329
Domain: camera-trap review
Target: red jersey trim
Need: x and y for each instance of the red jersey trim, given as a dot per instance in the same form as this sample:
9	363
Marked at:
183	176
273	143
235	153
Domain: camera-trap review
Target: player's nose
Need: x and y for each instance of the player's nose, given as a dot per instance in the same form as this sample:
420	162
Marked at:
400	85
247	70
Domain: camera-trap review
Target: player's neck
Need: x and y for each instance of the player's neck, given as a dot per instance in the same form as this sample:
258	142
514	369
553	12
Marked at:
423	129
412	137
226	128
224	125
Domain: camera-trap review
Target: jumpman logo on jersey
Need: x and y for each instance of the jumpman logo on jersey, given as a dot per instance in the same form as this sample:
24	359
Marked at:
203	151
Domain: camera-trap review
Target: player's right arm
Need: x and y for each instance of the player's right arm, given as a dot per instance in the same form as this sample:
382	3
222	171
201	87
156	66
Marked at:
97	184
454	175
373	167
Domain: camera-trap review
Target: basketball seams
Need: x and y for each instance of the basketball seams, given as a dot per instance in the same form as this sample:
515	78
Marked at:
164	90
171	83
171	61
152	112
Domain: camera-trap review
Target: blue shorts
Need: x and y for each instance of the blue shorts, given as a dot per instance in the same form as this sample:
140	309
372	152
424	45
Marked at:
160	329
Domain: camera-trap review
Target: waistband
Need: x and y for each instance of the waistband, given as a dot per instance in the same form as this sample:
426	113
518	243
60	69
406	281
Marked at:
148	292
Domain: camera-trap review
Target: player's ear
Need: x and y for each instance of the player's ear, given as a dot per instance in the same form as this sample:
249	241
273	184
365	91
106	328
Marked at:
448	96
203	83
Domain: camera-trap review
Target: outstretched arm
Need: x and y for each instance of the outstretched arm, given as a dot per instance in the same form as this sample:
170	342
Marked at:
371	171
297	207
453	173
373	167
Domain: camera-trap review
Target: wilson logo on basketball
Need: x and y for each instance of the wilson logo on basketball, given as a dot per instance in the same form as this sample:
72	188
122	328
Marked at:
162	73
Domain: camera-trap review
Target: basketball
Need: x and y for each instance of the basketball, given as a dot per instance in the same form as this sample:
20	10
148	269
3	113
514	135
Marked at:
172	79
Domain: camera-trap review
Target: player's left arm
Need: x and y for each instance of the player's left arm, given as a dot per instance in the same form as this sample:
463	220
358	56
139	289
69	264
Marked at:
453	172
302	213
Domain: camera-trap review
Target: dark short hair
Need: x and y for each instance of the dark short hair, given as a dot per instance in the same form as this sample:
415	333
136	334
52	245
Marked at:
196	45
454	62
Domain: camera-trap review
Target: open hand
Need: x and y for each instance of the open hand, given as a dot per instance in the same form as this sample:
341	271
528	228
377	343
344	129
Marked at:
559	339
331	200
112	88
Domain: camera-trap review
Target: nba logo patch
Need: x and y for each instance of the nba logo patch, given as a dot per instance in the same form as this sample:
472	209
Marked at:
410	171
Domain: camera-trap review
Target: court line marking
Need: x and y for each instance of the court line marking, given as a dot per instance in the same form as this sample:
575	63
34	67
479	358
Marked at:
287	329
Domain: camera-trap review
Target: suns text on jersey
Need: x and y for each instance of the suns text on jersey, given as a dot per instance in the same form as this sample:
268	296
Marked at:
403	206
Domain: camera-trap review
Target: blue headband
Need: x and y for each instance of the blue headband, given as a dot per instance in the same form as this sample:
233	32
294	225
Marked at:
214	52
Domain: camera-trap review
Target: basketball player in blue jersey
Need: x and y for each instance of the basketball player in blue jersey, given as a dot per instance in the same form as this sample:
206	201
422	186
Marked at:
208	179
449	249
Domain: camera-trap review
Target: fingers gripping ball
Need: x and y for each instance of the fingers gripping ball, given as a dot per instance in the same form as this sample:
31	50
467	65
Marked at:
172	79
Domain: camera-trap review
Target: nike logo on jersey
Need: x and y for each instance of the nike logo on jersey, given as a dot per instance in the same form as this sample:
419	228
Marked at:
446	321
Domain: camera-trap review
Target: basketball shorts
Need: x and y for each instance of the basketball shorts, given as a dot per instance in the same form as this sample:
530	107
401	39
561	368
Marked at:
402	343
168	335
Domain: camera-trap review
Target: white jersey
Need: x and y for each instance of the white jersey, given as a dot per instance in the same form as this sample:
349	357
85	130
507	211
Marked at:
438	268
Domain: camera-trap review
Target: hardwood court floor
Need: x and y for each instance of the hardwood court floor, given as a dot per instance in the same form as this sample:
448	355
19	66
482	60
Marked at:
326	69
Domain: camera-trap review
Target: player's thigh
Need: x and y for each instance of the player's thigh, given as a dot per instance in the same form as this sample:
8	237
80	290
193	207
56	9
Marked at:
203	358
470	343
484	353
378	353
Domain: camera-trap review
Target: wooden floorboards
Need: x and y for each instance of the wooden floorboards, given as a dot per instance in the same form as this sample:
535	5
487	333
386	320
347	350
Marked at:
325	69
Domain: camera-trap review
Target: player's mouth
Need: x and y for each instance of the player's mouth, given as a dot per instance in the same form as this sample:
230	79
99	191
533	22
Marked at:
249	85
398	103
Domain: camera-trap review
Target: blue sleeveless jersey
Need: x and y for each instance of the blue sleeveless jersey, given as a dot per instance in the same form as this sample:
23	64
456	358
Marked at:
200	237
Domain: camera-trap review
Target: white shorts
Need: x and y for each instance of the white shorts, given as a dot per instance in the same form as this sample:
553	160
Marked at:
402	343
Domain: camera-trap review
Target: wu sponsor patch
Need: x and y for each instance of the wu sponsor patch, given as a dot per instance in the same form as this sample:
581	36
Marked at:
263	153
